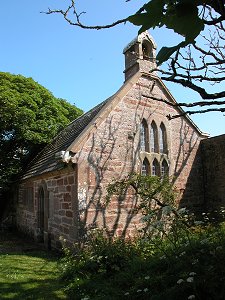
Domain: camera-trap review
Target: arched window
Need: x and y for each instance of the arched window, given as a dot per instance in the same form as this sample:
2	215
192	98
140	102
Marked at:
155	168
153	138
145	169
43	210
145	50
144	143
162	139
164	169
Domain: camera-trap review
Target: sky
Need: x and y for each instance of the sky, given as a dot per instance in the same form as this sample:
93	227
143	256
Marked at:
82	66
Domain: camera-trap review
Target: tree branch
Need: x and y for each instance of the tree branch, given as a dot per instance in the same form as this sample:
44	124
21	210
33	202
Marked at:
189	112
77	15
184	104
201	91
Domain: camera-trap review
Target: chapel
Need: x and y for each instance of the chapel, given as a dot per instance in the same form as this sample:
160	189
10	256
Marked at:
62	193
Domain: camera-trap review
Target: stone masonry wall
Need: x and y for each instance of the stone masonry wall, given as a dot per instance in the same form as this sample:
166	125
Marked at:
112	151
61	212
76	198
213	150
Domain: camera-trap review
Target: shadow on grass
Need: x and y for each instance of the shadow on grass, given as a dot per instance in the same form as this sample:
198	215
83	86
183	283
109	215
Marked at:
28	272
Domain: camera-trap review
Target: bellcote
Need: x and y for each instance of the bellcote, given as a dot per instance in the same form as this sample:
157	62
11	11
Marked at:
140	55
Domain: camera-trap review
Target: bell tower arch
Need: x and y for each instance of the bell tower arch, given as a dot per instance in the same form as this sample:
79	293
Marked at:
140	55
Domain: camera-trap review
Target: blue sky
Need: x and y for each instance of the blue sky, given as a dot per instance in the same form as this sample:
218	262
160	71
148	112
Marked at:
82	66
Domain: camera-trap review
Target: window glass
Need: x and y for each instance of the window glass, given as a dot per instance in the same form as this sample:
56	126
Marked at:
153	138
164	169
144	136
145	167
162	139
155	168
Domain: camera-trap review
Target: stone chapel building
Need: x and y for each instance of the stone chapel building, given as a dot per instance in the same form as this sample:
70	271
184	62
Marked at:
64	187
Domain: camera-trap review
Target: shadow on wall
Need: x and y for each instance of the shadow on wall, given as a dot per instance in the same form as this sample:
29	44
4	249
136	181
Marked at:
213	161
188	173
113	154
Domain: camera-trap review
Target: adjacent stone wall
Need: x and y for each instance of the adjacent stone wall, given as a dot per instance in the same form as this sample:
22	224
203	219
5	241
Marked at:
213	154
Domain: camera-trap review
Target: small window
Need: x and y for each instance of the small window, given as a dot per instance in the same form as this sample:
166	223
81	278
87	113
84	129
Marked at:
153	137
164	169
162	139
28	198
145	169
146	50
155	168
144	144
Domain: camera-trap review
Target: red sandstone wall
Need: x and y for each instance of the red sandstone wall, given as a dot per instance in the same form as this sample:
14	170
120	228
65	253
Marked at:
112	152
62	212
213	150
76	199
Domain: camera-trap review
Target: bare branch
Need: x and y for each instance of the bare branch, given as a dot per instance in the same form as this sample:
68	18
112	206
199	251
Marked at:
189	112
192	66
201	91
185	104
77	22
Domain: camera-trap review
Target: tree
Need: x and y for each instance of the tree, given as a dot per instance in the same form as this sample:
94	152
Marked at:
198	61
30	116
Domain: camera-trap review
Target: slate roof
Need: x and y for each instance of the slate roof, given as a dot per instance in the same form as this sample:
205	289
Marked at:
45	161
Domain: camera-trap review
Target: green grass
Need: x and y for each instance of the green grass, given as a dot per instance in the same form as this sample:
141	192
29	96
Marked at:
28	274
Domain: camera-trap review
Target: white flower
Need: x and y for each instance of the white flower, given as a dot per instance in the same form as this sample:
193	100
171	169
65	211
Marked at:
219	248
147	277
162	257
138	291
190	279
145	290
195	261
180	281
192	274
191	297
198	223
126	294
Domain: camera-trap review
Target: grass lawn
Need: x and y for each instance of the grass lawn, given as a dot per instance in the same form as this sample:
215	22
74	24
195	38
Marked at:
27	272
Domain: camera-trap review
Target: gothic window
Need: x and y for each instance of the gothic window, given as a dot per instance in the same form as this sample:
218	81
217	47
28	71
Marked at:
145	169
155	168
162	139
144	136
153	138
164	169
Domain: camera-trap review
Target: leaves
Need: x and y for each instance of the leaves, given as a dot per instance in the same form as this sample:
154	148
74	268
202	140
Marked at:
30	116
165	52
151	18
181	16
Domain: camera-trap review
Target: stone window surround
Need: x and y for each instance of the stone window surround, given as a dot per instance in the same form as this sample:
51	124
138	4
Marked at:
160	157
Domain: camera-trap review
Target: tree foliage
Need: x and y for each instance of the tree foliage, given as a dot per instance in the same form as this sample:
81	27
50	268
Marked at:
198	60
30	116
